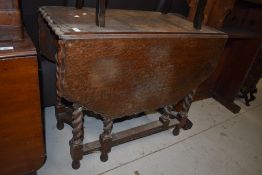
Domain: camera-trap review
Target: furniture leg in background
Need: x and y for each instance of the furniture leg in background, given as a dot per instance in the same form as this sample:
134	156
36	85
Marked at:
248	89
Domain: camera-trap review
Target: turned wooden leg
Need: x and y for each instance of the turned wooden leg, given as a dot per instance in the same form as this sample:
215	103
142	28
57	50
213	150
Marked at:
165	120
63	113
252	92
76	143
59	108
248	95
167	114
106	139
182	116
244	94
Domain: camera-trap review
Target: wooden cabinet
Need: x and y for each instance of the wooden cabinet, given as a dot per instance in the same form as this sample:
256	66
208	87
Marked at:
237	18
22	142
21	131
247	15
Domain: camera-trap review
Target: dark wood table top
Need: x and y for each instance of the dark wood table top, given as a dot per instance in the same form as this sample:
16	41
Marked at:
71	23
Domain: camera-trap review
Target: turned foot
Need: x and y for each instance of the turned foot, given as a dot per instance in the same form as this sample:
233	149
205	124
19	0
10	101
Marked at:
60	125
176	131
104	157
188	125
76	164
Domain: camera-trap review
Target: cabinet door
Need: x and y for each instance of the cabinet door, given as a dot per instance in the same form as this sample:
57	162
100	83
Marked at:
21	133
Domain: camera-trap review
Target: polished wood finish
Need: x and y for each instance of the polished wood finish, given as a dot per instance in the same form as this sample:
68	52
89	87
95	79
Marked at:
21	144
140	62
10	20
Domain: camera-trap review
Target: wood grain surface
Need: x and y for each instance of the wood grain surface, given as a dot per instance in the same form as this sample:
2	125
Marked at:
68	23
118	77
140	61
22	142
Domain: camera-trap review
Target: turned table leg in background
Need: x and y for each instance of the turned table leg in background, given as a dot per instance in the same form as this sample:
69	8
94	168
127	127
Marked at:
59	109
76	143
248	94
63	114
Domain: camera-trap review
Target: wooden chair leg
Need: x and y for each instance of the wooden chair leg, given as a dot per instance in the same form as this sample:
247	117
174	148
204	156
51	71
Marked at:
106	139
76	143
182	116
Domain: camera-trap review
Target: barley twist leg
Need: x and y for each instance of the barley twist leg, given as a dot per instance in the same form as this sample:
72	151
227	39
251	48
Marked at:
106	139
76	143
182	116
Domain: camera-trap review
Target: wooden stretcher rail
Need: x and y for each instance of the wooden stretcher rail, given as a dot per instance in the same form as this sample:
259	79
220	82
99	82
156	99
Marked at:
131	134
